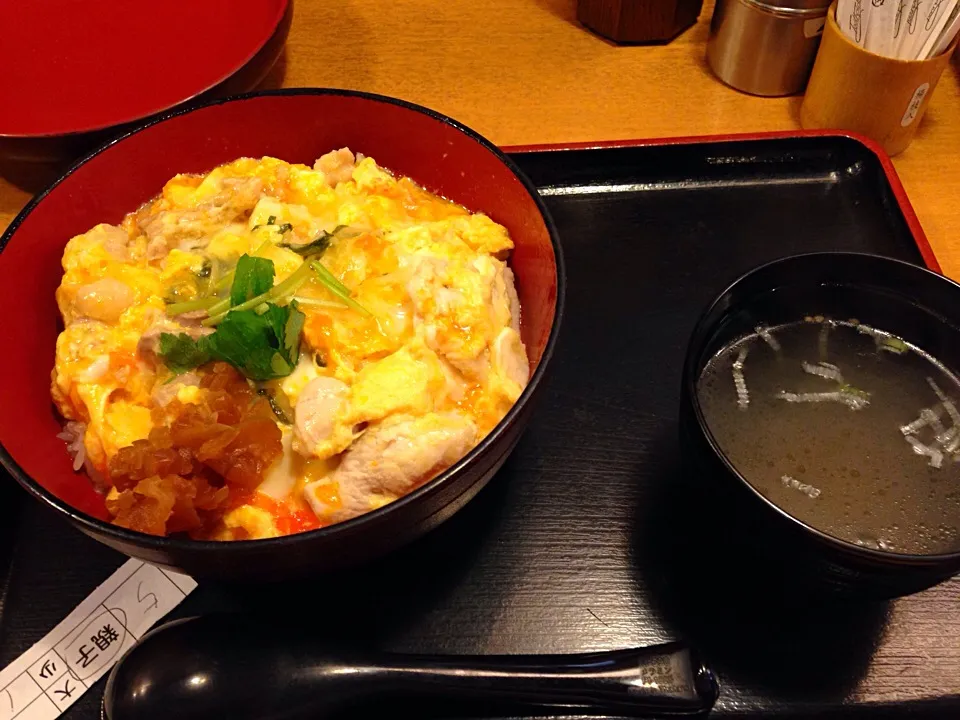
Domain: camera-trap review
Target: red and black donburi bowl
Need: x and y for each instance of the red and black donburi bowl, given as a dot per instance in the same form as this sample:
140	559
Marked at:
297	126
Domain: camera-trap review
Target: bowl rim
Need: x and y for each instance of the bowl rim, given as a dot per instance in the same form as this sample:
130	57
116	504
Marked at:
702	332
177	545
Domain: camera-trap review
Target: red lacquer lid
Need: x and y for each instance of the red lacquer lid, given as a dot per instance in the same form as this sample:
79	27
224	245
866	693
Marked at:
72	66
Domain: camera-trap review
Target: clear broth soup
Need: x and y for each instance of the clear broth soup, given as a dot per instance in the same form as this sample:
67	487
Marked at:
845	427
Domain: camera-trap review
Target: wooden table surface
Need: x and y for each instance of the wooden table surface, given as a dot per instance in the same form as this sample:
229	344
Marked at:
524	71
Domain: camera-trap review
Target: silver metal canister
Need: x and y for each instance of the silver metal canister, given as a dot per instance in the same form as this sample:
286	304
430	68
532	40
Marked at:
765	48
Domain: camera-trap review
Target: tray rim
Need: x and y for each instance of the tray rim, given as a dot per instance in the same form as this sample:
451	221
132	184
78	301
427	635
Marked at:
893	178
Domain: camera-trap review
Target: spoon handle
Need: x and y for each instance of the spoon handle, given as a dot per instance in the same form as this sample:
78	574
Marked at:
660	680
244	669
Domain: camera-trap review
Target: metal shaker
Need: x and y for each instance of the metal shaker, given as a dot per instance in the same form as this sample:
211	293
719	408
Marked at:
765	48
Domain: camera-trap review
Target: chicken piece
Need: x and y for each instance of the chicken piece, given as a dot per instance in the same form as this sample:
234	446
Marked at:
475	370
318	427
455	387
511	288
103	300
189	228
157	248
337	166
148	346
390	460
113	239
510	361
460	307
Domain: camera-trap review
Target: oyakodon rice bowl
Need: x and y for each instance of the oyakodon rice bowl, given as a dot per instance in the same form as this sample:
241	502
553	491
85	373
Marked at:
270	348
297	126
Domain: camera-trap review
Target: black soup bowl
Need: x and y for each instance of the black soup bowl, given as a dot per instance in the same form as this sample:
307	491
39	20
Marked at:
295	125
908	301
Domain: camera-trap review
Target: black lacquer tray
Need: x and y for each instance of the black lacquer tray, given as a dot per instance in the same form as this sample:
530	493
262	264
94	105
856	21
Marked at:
591	537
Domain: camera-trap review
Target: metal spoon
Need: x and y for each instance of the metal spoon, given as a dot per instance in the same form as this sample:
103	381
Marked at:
225	666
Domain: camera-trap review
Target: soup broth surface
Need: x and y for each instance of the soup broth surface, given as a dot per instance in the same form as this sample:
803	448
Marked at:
845	427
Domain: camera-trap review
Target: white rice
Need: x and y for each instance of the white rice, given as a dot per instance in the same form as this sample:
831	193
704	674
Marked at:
72	435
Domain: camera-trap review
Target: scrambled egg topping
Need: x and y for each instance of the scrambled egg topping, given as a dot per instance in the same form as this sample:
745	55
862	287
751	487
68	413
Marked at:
439	343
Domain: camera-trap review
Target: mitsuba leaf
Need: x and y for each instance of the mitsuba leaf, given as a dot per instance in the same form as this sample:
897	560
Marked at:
318	246
253	276
257	344
181	352
291	331
263	342
277	410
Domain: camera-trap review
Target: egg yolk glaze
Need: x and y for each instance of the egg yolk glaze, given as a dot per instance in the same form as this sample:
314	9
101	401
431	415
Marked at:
382	347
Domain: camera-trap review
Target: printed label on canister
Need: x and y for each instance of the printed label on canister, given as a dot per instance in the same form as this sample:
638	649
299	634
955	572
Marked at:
814	26
913	107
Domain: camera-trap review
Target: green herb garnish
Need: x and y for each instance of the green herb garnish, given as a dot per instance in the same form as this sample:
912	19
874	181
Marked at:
181	352
285	228
277	410
180	308
252	277
318	246
893	344
256	336
278	292
271	220
856	392
261	346
318	303
336	287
